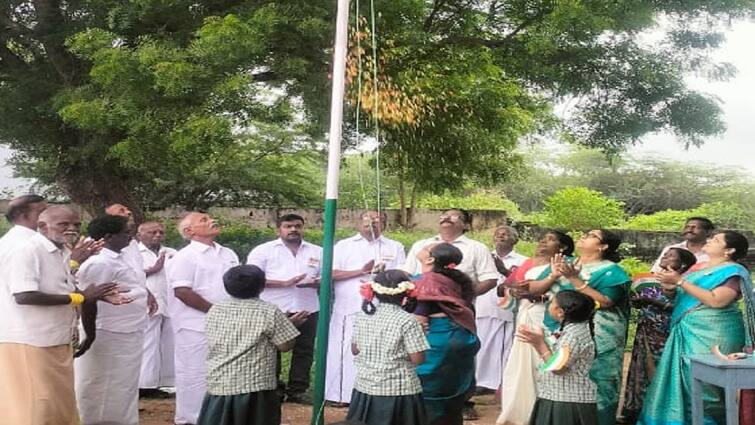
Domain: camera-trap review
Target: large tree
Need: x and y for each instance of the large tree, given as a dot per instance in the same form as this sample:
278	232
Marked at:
114	100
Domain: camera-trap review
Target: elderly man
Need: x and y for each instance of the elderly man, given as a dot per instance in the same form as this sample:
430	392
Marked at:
23	212
196	276
36	324
355	258
292	267
477	262
695	234
157	356
107	376
495	326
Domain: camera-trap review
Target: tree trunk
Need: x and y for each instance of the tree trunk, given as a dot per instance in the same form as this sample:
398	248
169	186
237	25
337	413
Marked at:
94	188
412	208
402	214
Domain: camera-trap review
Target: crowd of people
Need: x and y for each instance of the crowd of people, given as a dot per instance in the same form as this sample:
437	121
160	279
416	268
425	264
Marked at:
91	323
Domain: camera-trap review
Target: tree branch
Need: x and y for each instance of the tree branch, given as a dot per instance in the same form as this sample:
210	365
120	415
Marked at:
49	22
264	76
431	17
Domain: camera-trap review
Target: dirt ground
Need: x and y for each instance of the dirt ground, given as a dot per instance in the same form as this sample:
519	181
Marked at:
160	412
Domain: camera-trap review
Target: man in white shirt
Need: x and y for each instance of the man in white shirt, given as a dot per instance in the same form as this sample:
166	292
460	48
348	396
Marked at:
477	262
23	212
292	268
354	260
131	251
157	356
696	232
195	275
36	324
107	376
495	326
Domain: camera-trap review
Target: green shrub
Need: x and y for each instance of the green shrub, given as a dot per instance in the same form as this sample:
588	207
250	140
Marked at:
580	208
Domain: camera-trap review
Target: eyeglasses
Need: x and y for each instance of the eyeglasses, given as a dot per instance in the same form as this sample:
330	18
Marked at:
450	217
592	235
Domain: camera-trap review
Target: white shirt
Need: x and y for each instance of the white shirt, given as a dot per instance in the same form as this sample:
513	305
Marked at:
486	305
110	266
279	263
12	239
200	267
352	254
36	265
157	283
476	262
132	256
700	255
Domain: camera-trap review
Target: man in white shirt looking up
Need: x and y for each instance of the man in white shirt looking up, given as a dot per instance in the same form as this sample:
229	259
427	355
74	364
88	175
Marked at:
107	376
292	268
157	356
354	261
695	233
495	326
195	275
37	317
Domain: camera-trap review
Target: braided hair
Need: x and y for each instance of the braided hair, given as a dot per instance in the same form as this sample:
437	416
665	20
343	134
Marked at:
447	257
577	307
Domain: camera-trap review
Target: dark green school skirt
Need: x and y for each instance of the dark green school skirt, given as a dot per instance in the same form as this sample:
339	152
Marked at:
549	412
260	408
387	410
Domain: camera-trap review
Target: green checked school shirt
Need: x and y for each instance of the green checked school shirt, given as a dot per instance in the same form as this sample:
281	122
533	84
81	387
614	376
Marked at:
573	384
385	340
241	337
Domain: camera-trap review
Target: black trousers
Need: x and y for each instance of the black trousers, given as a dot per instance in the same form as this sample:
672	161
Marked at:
301	358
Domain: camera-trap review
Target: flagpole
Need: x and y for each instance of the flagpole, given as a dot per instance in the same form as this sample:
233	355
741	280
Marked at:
331	204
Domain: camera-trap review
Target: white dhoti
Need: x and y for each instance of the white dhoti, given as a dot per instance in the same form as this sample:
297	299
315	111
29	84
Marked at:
339	381
518	391
496	337
191	374
107	379
157	355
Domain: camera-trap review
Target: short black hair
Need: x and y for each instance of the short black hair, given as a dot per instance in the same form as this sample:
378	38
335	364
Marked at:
288	217
707	224
21	205
106	225
613	241
686	258
244	281
566	241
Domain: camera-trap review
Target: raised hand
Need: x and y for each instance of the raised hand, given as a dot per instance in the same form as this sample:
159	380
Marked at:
570	270
500	266
85	248
531	335
368	267
159	264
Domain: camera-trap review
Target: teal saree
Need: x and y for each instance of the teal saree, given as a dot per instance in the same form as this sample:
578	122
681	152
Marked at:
611	326
695	328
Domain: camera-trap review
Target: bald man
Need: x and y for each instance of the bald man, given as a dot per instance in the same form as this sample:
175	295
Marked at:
36	324
195	274
157	356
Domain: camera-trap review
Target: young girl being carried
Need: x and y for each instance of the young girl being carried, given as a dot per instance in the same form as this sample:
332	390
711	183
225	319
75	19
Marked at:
388	343
565	393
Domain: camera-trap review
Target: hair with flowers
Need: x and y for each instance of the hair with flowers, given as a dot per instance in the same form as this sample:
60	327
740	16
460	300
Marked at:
389	287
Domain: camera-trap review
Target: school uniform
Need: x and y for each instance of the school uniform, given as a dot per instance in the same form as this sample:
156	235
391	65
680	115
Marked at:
387	390
569	397
242	336
352	254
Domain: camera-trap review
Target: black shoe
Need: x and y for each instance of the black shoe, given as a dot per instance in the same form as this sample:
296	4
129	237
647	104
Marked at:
154	393
299	398
470	414
483	391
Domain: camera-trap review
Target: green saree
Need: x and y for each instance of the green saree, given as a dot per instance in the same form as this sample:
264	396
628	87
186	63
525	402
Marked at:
611	326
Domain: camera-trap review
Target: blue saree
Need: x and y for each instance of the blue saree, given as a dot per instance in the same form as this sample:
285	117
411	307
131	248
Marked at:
448	372
695	328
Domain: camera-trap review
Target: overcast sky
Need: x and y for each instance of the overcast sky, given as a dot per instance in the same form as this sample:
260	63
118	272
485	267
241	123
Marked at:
737	97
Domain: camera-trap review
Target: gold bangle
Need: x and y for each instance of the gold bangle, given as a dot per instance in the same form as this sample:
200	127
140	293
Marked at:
73	264
76	298
581	287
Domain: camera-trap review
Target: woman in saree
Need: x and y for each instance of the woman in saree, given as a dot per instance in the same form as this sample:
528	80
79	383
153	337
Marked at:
706	314
445	299
597	275
654	315
528	283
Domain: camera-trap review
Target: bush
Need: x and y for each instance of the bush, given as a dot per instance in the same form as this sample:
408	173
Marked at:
724	215
580	208
475	200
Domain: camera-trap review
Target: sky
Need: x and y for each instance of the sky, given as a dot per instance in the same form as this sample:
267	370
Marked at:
736	147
